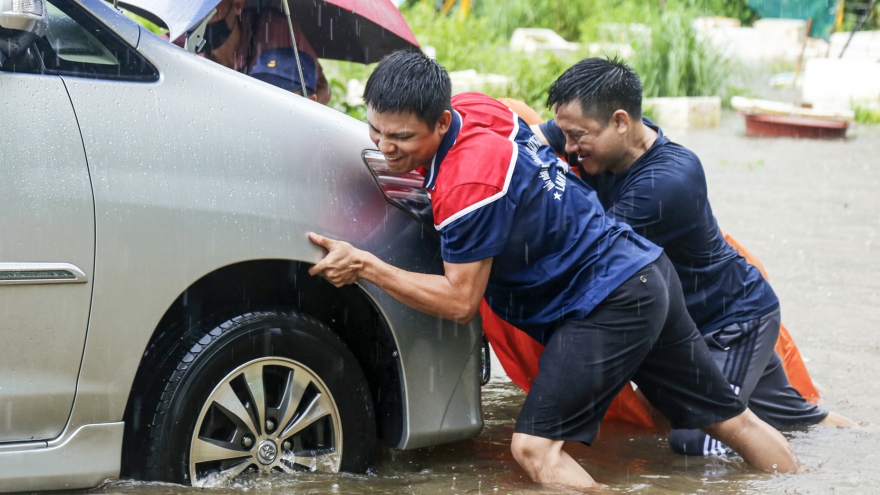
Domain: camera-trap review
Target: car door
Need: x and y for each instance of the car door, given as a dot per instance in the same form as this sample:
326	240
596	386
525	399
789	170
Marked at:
47	215
47	244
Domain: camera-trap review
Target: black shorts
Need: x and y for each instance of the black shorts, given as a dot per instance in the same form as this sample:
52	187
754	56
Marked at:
745	353
640	332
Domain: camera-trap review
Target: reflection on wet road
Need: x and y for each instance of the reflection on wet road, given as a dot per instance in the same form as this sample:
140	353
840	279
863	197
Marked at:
811	212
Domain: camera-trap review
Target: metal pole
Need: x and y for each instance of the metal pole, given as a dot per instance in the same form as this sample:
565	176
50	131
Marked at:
302	80
856	29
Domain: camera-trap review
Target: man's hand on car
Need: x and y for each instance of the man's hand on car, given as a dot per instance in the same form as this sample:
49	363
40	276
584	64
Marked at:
343	262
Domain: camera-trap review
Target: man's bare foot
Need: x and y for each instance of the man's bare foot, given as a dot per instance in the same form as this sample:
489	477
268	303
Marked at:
834	419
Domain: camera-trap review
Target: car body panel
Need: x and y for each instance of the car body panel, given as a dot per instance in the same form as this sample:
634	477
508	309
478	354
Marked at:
203	206
126	28
207	168
47	220
87	457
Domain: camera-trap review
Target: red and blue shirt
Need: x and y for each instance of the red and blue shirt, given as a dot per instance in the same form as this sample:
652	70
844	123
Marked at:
498	192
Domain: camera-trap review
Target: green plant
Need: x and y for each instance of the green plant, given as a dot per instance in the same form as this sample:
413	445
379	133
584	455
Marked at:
478	43
675	61
564	17
154	28
471	43
606	19
339	101
670	57
532	77
867	114
338	74
738	9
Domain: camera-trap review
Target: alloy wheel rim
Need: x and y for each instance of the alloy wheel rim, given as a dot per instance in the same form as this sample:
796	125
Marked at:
270	415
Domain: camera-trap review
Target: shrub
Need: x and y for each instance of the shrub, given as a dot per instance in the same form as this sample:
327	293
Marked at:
867	114
676	61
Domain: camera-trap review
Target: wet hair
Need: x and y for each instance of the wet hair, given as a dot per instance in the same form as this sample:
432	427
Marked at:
602	86
410	81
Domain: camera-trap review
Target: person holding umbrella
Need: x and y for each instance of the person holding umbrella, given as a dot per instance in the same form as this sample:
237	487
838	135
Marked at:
361	31
277	66
245	39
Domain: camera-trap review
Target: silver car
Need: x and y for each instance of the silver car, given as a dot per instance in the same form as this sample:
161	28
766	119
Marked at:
157	316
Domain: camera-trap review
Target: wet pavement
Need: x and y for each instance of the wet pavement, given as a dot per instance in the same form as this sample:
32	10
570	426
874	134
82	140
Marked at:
810	210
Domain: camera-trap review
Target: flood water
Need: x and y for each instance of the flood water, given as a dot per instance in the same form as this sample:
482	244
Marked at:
810	210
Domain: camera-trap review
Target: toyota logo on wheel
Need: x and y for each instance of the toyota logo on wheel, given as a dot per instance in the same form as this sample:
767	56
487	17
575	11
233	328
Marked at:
267	452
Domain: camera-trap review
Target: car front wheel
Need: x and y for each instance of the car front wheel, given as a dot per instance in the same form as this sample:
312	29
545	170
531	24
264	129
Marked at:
264	392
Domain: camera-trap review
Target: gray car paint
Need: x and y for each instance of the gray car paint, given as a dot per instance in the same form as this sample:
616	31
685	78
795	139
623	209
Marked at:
47	217
206	168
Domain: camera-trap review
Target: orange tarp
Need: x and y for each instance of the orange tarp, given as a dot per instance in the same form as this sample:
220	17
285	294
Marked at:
785	346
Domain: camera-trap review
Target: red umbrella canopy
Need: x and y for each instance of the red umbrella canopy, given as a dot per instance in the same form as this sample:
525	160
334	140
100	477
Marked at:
381	12
355	30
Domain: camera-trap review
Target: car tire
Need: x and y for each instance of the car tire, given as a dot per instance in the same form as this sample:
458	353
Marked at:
261	392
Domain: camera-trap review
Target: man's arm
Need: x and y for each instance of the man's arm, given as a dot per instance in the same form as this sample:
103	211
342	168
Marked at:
552	136
536	128
456	295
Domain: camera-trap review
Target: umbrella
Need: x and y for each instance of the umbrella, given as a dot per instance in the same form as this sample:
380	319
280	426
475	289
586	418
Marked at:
354	30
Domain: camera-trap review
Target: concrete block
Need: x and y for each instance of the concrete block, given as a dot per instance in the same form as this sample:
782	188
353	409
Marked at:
619	32
769	40
470	80
864	45
535	40
705	23
841	82
689	112
789	32
624	50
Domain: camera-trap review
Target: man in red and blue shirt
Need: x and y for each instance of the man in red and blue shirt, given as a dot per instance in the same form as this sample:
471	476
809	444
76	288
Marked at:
518	228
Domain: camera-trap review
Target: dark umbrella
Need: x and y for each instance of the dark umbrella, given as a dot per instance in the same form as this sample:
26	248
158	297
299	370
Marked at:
354	30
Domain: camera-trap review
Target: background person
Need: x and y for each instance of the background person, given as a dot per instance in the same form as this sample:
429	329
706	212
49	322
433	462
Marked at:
518	228
272	32
236	38
277	66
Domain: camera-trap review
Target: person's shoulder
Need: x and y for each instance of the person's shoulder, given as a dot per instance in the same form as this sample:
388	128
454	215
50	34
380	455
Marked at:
479	110
670	171
673	160
488	127
482	155
471	99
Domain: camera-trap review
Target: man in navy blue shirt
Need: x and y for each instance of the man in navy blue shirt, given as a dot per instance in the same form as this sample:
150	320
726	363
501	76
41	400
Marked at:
658	187
518	228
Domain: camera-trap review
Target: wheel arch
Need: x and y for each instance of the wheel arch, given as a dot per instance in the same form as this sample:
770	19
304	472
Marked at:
277	284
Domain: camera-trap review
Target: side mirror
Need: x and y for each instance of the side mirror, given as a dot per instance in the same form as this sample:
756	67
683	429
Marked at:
21	23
